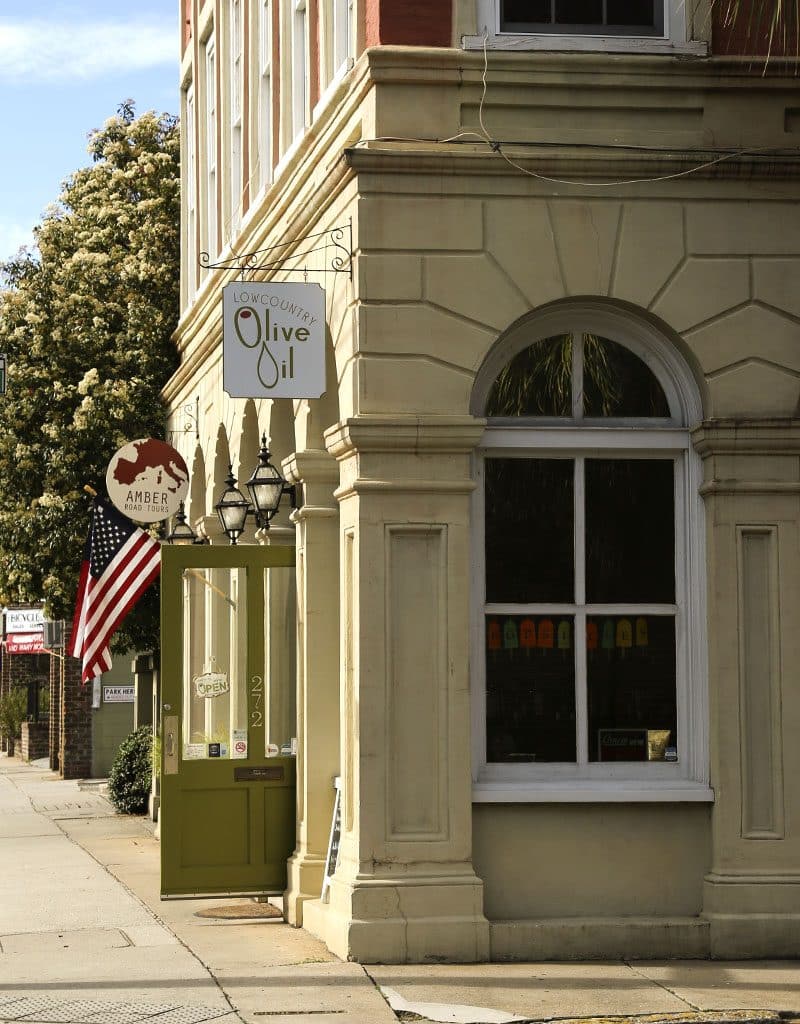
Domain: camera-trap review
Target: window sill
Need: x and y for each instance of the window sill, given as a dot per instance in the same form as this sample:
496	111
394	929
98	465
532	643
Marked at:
607	792
585	44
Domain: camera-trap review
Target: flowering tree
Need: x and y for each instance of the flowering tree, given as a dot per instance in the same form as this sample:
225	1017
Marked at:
86	323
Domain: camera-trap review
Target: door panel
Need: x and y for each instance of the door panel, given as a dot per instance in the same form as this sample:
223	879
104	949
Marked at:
227	809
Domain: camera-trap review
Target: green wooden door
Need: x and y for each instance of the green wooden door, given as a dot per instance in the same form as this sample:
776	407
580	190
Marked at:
227	802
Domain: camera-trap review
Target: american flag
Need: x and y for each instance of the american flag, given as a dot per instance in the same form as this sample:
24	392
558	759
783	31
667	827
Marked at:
119	563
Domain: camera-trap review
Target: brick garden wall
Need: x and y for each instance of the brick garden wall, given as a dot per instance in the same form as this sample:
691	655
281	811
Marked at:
35	737
75	754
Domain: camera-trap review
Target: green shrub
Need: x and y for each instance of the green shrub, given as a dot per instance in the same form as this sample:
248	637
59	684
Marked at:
13	712
129	778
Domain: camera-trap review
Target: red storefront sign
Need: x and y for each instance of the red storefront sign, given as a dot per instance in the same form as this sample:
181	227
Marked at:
24	643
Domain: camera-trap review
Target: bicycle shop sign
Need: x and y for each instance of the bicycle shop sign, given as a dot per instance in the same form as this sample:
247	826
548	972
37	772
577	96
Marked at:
273	340
24	631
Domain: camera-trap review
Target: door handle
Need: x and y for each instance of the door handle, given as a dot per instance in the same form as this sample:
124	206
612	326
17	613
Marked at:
170	744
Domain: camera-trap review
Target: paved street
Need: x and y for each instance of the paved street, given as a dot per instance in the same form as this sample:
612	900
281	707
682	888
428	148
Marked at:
85	938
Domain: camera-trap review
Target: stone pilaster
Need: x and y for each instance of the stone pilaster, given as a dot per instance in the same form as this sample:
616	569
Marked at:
404	888
317	571
752	493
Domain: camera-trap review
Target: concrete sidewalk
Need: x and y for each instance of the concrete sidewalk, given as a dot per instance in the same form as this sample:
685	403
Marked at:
85	937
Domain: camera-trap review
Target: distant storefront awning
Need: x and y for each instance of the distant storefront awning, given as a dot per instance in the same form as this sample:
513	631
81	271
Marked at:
24	643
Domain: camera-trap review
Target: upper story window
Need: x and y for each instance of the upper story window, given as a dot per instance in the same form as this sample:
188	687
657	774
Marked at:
235	94
299	67
190	194
587	637
644	26
210	234
342	36
264	105
583	17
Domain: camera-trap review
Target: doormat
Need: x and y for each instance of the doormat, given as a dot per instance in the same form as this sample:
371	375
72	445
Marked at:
241	911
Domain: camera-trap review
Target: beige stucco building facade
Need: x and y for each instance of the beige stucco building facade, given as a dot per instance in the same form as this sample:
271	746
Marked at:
645	198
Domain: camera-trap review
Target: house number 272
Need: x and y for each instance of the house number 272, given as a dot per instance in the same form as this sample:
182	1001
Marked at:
256	702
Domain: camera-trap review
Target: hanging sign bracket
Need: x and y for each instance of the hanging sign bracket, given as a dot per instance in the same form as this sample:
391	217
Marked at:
336	245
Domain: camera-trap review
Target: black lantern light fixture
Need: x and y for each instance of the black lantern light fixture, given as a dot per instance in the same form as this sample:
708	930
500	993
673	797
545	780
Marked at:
266	488
181	532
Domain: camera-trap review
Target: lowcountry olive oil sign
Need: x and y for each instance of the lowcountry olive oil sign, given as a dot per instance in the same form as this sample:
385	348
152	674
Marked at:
273	340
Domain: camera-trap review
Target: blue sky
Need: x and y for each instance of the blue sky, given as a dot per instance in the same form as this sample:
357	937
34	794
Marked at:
64	69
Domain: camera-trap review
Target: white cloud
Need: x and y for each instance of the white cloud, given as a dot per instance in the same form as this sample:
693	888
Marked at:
46	50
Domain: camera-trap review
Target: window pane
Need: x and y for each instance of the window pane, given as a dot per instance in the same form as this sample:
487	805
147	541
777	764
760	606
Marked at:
214	663
529	530
630	531
537	381
631	688
618	383
579	12
631	12
530	688
525	12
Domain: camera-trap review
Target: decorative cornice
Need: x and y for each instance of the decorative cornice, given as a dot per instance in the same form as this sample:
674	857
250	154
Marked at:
433	434
571	162
404	486
747	437
654	71
310	466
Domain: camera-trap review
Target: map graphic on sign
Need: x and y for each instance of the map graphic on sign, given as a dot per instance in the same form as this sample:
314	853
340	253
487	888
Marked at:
147	480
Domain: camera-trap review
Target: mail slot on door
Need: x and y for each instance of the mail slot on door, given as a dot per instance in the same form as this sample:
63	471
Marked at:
260	773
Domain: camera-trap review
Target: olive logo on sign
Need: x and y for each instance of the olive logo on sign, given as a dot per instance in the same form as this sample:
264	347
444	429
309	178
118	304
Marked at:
255	329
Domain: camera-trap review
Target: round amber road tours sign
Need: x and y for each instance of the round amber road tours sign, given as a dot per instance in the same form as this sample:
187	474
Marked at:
147	480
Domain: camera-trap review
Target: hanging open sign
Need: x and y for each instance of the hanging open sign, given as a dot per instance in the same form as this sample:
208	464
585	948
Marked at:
211	684
273	340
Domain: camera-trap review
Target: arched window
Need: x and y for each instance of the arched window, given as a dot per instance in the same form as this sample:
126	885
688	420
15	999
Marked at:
588	664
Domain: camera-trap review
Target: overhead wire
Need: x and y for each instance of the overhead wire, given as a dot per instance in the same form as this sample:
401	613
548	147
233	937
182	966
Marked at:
497	145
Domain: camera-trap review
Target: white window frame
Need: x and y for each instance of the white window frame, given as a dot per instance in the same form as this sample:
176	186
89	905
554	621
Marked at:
342	29
210	237
688	778
190	192
264	124
674	40
299	82
235	105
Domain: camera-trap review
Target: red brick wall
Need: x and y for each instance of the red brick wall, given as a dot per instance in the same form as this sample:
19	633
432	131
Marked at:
186	23
409	22
76	721
54	728
752	32
34	740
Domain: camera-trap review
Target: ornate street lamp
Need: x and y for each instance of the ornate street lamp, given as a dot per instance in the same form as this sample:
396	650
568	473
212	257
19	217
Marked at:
232	508
266	487
181	533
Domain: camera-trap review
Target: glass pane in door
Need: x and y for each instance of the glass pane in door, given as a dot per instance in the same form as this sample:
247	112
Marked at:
214	663
280	657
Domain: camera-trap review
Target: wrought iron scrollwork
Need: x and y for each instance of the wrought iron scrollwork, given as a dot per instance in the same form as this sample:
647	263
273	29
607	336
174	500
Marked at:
276	256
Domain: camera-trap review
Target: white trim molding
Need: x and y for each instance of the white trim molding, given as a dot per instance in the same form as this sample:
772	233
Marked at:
675	38
667	438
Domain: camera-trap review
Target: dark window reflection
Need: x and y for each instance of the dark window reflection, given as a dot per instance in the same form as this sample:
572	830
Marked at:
630	533
631	688
524	11
618	383
530	688
529	530
643	16
579	12
632	12
537	381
